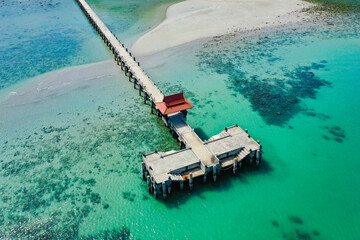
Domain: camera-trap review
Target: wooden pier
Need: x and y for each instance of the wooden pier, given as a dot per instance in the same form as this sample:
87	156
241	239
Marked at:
231	148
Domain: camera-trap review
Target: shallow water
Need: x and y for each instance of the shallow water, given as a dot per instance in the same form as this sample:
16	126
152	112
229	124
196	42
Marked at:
41	36
45	35
70	159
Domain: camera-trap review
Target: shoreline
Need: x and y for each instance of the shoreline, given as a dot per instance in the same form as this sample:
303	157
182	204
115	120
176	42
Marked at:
189	21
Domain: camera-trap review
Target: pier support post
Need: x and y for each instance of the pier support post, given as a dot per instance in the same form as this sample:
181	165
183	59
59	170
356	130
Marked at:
258	158
143	170
182	185
214	173
152	107
140	89
126	70
130	76
164	190
155	191
205	177
145	97
149	184
169	188
135	82
191	183
235	166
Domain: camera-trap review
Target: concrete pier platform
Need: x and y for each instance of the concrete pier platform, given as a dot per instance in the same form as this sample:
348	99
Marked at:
232	148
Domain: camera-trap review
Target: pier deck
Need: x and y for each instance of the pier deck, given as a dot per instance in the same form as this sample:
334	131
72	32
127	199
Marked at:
170	165
230	148
191	140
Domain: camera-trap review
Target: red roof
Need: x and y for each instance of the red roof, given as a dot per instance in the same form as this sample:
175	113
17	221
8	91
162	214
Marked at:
173	103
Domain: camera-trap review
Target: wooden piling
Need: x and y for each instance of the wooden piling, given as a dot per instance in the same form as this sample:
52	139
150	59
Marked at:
214	173
235	166
143	170
181	185
135	82
191	183
155	190
152	107
126	70
140	89
169	187
149	184
258	158
164	190
145	97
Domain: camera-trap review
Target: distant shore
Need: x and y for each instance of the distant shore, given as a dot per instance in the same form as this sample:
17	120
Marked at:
196	19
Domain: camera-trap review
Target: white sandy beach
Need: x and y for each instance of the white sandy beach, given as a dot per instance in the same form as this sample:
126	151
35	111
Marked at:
195	19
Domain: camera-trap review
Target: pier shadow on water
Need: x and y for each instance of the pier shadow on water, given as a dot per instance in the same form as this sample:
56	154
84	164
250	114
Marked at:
224	183
202	135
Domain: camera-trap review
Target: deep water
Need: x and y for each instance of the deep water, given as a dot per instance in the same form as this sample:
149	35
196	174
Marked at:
70	160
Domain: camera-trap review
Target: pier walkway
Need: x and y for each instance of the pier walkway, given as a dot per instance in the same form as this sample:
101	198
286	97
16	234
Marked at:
191	140
229	149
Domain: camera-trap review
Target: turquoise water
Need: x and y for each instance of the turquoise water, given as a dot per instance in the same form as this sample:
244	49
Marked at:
70	159
50	35
41	36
